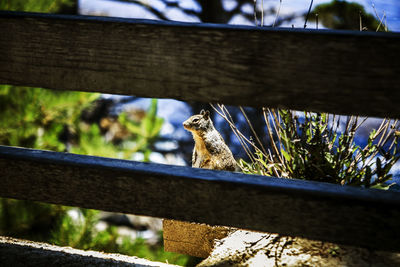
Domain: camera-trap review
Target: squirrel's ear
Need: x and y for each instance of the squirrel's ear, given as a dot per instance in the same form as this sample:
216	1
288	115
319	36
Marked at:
206	114
202	112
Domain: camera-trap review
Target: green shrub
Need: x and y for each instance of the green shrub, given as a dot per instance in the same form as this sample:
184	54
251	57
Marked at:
312	148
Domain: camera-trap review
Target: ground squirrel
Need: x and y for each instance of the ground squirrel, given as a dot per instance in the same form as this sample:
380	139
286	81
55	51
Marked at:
210	150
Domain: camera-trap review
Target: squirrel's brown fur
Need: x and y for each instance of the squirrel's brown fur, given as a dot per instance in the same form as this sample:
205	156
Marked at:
210	150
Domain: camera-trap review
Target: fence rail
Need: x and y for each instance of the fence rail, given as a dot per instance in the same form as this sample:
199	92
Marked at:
321	211
334	71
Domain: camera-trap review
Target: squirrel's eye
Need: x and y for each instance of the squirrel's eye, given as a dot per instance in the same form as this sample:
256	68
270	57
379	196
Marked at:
196	120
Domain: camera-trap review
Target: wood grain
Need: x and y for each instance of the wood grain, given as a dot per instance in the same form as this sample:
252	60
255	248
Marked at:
347	215
341	72
194	239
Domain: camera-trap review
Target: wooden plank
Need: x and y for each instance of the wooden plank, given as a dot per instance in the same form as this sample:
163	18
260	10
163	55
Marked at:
341	72
348	215
194	239
17	252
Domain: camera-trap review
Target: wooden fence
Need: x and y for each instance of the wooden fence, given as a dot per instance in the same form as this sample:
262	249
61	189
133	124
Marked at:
332	71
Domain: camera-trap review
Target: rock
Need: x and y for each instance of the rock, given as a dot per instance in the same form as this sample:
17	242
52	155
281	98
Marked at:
245	248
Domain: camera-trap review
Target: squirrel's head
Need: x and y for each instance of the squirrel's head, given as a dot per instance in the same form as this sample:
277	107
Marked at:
198	123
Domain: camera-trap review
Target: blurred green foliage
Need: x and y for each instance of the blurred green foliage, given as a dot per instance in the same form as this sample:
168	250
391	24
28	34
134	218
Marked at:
48	6
29	220
343	15
46	119
57	225
145	131
35	118
92	143
81	233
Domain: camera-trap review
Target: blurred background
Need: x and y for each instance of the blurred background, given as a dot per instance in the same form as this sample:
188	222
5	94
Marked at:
128	127
332	14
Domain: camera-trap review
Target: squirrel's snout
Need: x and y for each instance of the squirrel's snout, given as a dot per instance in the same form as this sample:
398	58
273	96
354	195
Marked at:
186	125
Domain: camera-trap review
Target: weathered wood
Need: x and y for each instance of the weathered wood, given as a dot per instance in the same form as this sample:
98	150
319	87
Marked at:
17	252
194	239
334	71
348	215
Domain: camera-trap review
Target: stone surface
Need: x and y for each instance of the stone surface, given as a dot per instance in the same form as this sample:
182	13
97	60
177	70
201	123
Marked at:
16	252
245	248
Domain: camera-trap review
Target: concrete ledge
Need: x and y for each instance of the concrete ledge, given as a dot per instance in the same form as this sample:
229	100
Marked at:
17	252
